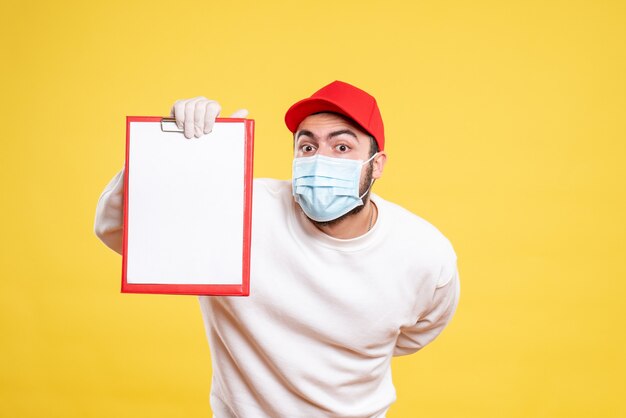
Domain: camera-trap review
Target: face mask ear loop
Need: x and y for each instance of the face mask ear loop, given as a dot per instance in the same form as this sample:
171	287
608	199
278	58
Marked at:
370	158
368	189
372	182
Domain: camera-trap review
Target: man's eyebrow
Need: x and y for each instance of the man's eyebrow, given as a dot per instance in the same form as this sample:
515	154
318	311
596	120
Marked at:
341	132
304	132
333	134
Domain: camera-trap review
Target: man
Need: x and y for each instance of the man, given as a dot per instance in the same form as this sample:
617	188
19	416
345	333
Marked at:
341	280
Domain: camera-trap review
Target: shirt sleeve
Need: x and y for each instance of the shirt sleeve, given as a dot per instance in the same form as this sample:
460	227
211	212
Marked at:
433	320
109	221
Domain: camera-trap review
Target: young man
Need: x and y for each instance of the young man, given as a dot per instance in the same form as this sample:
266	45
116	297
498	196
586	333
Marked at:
341	279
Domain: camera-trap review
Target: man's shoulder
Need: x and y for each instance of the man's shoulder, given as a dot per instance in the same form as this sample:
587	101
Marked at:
417	232
404	217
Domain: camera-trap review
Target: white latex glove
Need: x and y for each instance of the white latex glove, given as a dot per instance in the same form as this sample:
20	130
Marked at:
197	116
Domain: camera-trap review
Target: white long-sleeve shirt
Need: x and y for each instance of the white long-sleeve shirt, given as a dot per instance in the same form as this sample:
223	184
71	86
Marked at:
324	317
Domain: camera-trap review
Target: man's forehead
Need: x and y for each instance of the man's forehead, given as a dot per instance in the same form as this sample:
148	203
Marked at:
329	120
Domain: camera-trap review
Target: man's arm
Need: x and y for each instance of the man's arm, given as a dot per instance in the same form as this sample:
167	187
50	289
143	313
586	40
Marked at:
109	222
434	319
196	117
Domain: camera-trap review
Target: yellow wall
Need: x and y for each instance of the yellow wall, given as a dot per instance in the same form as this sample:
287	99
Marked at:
506	128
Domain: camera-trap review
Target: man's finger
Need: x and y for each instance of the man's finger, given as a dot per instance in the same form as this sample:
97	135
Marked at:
198	118
241	113
213	110
190	111
179	112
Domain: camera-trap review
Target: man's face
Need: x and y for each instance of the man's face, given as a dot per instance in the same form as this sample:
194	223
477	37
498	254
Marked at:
332	135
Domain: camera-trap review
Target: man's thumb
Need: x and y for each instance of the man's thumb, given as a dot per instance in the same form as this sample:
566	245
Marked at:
241	113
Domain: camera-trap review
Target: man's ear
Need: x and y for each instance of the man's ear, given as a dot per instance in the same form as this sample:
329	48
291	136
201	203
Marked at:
379	164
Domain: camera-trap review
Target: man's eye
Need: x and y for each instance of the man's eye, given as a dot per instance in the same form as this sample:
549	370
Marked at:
342	148
307	148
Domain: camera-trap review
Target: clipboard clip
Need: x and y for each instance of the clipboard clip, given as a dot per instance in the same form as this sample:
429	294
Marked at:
169	125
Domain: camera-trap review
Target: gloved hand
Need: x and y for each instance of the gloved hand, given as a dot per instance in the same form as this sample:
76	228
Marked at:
197	116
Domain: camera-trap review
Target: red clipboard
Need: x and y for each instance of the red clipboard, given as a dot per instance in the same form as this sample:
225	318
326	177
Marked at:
187	208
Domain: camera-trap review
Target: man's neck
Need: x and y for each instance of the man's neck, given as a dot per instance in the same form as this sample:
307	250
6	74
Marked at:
352	226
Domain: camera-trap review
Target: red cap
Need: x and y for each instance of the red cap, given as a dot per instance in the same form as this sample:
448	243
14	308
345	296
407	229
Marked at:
345	99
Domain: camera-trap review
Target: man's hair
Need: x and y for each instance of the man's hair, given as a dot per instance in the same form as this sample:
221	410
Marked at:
373	146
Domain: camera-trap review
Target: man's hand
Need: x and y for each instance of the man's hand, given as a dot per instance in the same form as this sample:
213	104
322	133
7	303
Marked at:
197	116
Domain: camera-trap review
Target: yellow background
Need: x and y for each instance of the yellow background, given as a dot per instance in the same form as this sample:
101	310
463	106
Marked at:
506	128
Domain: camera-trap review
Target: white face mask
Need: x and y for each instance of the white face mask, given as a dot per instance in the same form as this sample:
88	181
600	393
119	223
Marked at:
327	188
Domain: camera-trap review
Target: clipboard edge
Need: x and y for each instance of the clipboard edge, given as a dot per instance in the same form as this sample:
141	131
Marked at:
196	289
